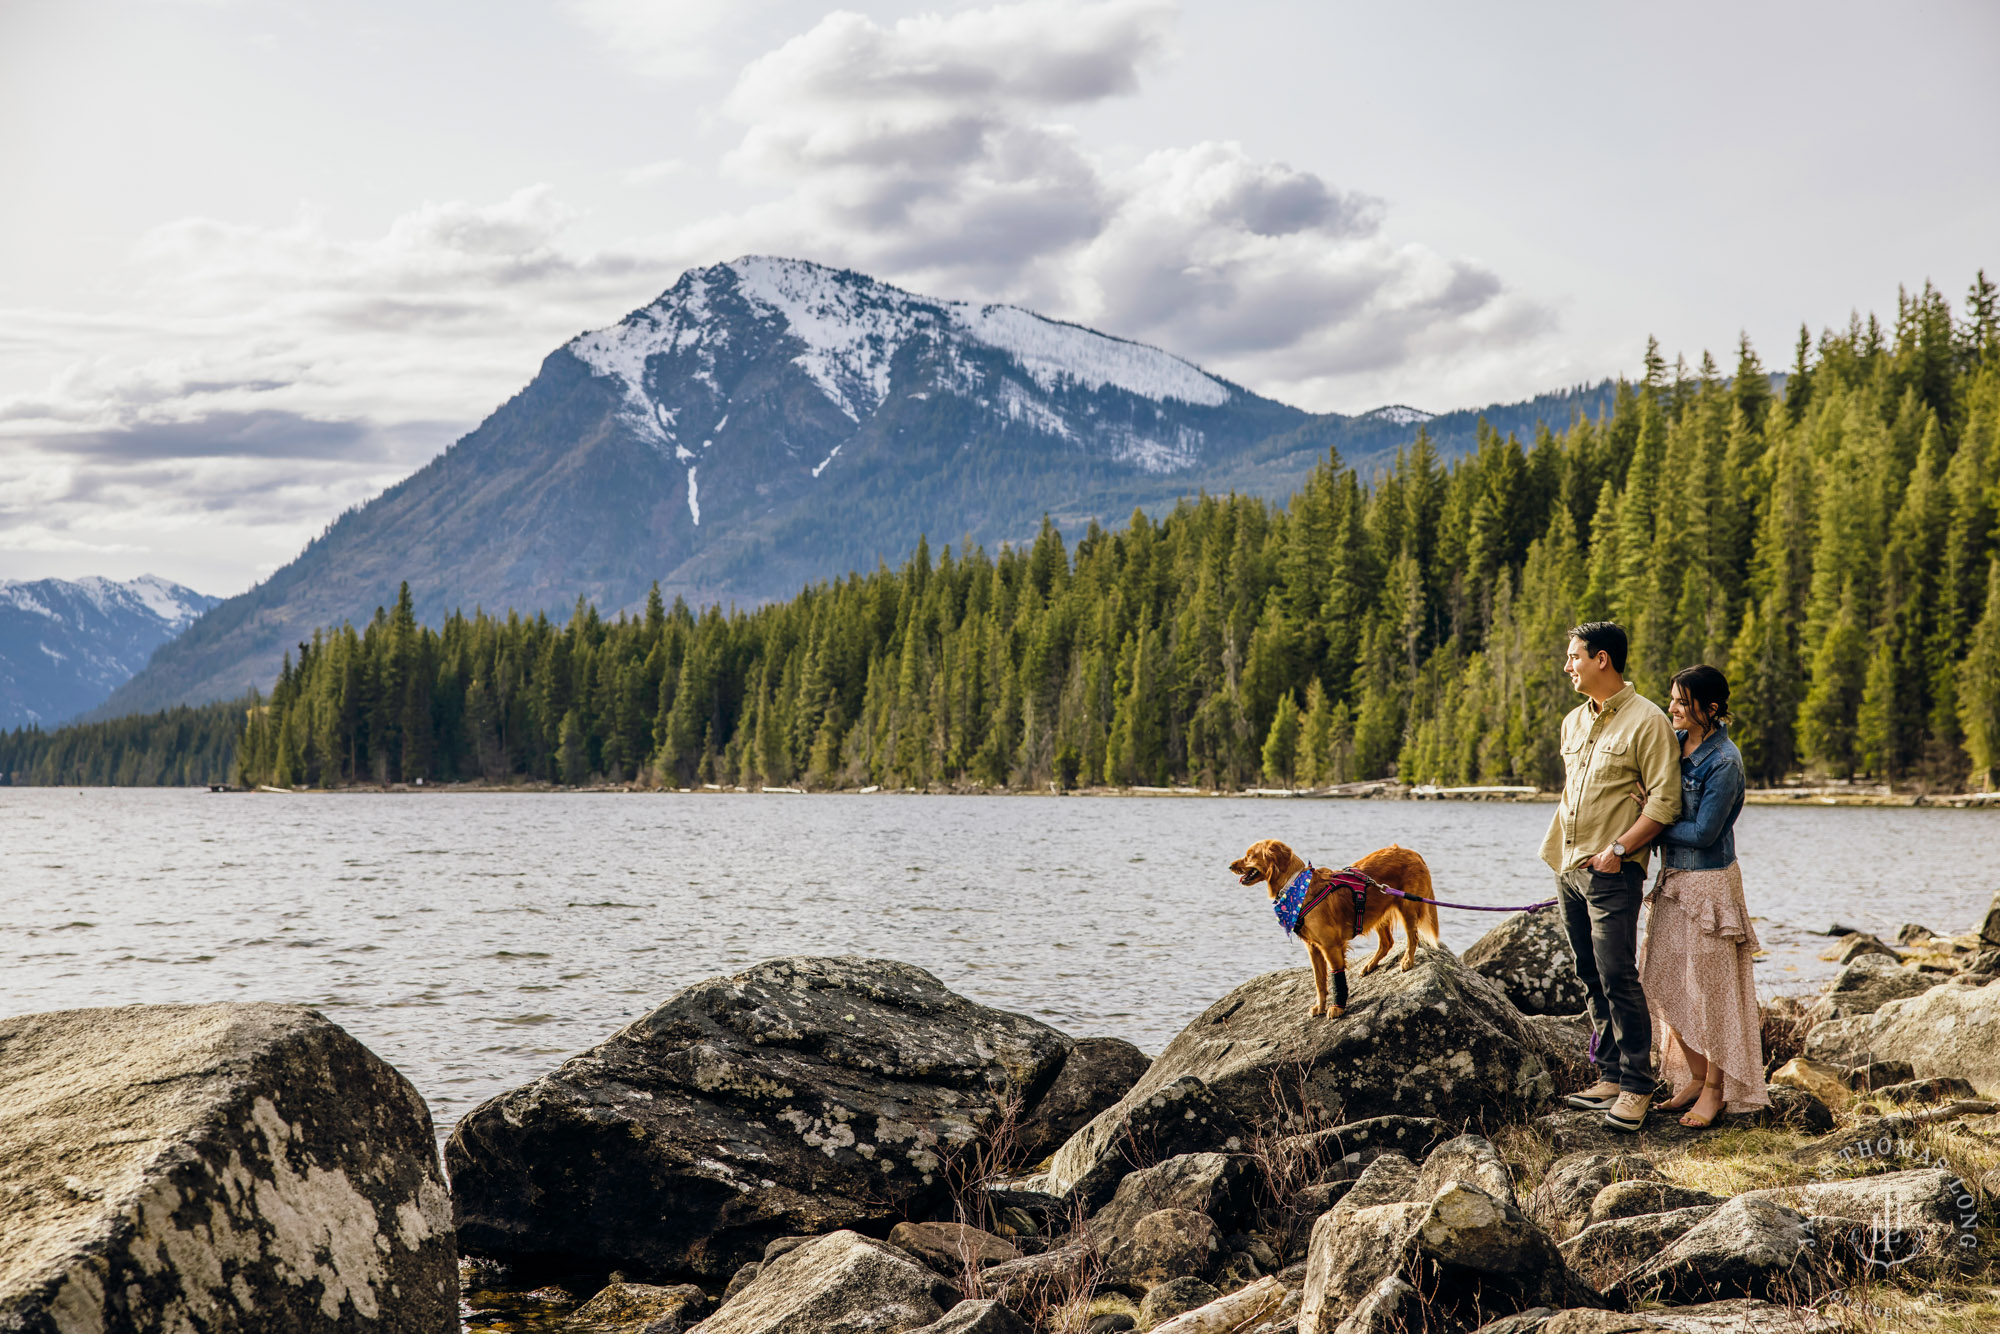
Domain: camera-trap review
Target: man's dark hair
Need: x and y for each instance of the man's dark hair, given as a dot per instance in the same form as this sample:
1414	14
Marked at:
1603	637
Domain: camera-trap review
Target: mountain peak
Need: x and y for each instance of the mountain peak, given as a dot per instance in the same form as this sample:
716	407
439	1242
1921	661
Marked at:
849	330
65	644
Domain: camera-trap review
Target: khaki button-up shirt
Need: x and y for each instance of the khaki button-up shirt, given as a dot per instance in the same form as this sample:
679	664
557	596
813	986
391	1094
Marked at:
1610	753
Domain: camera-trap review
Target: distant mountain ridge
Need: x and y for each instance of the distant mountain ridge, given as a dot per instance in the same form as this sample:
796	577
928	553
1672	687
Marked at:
66	644
770	422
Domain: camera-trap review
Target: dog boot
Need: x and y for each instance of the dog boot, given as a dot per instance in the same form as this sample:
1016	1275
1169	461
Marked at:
1595	1098
1628	1112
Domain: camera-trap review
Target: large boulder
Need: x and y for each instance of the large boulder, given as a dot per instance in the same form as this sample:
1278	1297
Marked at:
1471	1159
1528	957
1747	1248
950	1248
1215	1184
1436	1041
1572	1183
1181	1117
985	1316
1632	1199
1163	1245
802	1096
1989	929
1607	1251
1869	983
842	1283
1948	1030
640	1308
1481	1256
1096	1074
223	1168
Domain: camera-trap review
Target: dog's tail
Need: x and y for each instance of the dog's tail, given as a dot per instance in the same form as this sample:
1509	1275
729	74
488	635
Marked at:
1427	915
1427	925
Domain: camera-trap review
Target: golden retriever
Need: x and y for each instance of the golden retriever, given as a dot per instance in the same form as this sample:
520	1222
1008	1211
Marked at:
1332	923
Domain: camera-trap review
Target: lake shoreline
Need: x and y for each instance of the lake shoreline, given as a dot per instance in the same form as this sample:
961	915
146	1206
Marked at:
1781	796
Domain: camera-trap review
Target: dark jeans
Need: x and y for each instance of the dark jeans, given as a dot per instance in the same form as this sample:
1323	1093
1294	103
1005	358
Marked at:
1601	914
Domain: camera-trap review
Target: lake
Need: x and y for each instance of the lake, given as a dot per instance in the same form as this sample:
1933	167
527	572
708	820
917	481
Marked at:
475	939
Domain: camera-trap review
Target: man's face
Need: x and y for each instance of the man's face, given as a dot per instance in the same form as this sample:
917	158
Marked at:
1584	668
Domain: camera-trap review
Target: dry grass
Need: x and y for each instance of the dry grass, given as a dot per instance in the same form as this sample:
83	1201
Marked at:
1733	1159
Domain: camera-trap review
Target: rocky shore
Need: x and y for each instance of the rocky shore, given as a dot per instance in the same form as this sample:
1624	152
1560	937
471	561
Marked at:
834	1145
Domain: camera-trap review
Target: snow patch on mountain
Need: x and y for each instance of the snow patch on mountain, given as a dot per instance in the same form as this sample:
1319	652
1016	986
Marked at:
1053	352
65	644
852	327
1399	415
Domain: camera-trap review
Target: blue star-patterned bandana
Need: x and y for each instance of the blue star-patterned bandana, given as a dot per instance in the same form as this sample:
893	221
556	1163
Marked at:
1291	905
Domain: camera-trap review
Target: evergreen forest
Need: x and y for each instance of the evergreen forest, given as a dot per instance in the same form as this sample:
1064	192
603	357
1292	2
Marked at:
1832	547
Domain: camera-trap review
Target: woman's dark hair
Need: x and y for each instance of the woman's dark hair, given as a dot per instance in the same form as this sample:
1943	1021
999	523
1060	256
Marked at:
1607	637
1707	689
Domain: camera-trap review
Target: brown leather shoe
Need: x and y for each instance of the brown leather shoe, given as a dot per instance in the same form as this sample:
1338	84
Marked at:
1595	1098
1628	1111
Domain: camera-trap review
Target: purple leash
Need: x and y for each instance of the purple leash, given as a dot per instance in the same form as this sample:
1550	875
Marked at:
1470	907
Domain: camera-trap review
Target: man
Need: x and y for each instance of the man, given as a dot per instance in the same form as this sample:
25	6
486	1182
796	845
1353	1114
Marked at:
1616	746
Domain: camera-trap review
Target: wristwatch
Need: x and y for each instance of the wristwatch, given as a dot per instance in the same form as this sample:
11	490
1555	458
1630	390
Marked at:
1618	847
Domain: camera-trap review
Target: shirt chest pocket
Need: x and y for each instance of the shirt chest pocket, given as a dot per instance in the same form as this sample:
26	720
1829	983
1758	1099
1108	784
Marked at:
1613	759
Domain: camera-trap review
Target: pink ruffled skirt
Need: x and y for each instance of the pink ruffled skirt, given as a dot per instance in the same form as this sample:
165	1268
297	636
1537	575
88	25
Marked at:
1696	967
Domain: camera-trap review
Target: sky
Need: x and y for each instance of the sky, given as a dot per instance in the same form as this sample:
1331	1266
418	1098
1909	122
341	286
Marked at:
259	259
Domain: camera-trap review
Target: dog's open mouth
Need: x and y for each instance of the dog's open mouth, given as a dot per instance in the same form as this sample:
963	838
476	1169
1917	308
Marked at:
1251	876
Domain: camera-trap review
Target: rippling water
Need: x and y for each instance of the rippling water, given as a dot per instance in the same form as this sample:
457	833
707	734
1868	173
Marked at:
475	939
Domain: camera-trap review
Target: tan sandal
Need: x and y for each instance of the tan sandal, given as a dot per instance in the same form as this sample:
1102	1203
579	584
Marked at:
1693	1122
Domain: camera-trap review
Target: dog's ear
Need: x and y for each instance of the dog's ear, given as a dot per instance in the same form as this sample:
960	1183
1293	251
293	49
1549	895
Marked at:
1277	856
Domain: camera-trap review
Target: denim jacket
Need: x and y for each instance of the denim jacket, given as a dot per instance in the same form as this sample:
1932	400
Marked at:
1704	838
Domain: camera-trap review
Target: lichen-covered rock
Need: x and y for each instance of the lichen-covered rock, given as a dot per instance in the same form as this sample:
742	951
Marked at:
1215	1184
1939	1088
1528	957
802	1096
1747	1248
1392	1306
1826	1082
1169	1299
1350	1252
1571	1185
1471	1159
952	1248
1165	1244
1953	1031
1389	1179
985	1316
1480	1256
1869	983
1037	1282
842	1283
222	1168
1608	1250
1177	1118
640	1308
1344	1151
1930	1204
1096	1074
1630	1199
1437	1041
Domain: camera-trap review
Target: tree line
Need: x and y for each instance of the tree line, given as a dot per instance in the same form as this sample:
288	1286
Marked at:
1832	547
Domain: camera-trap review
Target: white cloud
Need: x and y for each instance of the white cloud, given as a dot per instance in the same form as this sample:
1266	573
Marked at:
665	37
931	152
260	379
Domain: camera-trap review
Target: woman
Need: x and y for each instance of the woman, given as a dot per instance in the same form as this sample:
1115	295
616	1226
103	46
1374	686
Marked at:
1696	963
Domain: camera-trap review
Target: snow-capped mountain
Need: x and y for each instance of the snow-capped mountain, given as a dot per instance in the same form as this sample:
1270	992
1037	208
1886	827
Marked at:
763	424
679	365
67	644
